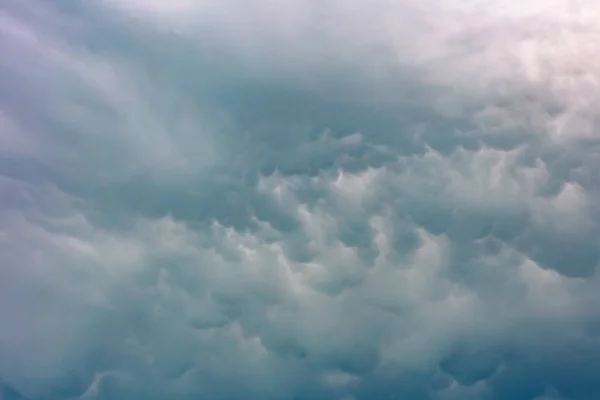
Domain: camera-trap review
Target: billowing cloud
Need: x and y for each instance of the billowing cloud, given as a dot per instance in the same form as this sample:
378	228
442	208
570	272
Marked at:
305	200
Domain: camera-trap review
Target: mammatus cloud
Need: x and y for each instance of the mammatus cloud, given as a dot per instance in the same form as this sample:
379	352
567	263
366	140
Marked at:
305	200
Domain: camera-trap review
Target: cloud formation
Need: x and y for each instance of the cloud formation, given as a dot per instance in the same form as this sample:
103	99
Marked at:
304	200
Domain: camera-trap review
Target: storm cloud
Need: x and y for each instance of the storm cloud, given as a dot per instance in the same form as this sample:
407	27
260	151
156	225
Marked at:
299	199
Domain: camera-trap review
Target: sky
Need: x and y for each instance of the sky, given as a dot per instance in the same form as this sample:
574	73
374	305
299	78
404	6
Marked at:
299	199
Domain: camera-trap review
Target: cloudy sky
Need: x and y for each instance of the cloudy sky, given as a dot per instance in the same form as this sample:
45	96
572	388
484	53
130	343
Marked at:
300	199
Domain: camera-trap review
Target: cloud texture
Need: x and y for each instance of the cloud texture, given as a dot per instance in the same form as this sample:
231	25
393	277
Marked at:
299	199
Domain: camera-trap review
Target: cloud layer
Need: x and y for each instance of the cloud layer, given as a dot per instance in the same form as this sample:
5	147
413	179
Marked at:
304	200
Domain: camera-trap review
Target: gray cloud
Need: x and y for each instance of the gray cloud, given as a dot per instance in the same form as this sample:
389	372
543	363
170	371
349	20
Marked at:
335	200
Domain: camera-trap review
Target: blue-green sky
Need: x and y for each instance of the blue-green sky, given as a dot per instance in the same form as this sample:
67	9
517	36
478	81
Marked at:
299	199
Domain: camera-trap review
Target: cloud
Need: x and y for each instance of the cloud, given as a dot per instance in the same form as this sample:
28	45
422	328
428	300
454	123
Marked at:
310	200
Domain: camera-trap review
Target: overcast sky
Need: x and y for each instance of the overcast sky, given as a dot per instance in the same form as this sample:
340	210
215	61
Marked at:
300	199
